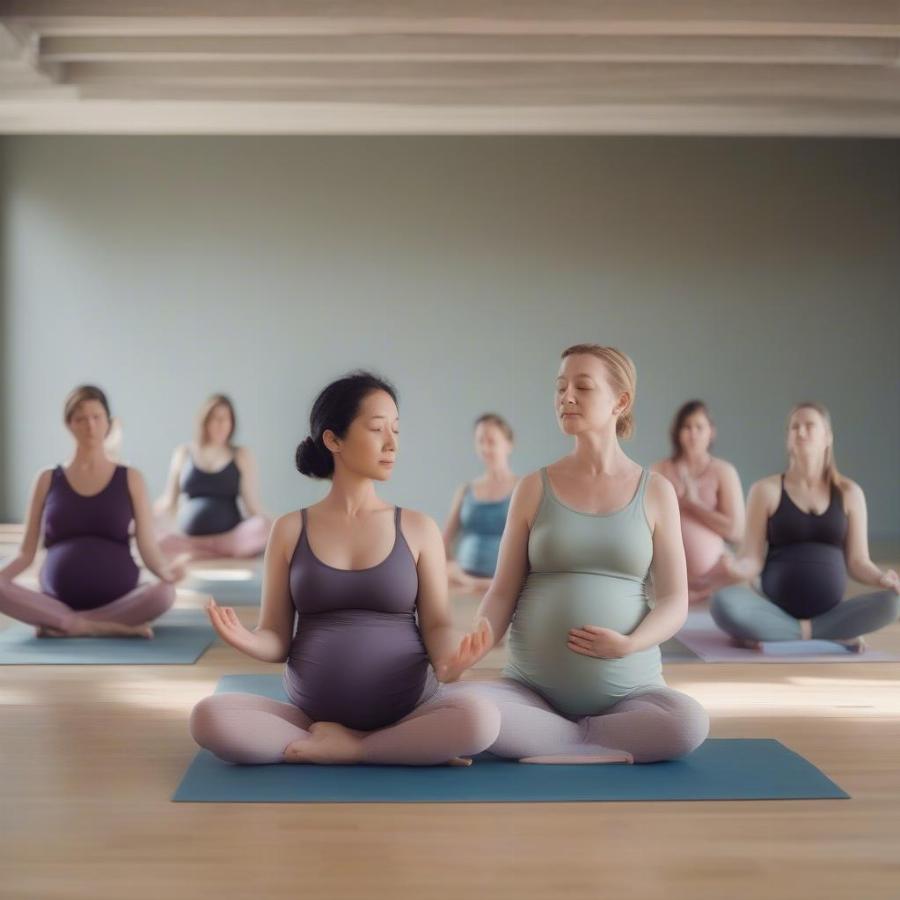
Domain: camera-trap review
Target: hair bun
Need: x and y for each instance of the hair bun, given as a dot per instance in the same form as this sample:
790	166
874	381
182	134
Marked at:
313	458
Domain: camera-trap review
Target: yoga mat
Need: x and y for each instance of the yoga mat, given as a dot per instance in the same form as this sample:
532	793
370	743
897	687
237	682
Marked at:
181	636
701	635
719	770
673	651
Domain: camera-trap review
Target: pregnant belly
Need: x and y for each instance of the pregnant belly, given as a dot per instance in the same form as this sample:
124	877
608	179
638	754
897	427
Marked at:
577	685
87	572
702	547
208	515
805	580
360	668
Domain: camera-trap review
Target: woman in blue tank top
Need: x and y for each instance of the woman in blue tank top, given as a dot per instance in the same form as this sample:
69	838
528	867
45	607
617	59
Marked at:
478	513
206	480
355	603
584	682
806	529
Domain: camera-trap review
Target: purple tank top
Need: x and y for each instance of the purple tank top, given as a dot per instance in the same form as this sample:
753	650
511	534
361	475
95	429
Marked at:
88	562
357	657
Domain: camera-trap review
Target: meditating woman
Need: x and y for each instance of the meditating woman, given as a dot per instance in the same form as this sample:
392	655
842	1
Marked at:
206	480
584	682
805	530
89	581
366	584
710	498
478	512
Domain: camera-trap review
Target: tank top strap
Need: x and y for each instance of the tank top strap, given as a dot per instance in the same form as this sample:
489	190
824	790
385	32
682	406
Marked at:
397	511
303	518
638	502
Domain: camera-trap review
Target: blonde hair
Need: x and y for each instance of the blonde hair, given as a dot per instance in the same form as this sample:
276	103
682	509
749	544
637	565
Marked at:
214	400
830	471
498	420
622	376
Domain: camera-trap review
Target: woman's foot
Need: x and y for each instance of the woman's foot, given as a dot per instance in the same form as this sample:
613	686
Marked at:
854	645
746	645
45	631
84	627
328	744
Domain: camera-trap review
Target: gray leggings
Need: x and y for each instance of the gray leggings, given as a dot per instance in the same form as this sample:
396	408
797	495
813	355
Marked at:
748	616
652	726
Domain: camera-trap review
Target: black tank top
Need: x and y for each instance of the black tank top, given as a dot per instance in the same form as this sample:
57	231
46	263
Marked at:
805	572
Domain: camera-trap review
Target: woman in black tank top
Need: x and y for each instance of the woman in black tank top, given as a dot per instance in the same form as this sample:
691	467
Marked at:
806	531
206	480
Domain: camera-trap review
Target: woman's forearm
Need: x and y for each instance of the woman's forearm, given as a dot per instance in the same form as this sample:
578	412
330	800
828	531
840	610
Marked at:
722	524
661	623
866	572
440	642
16	566
497	610
268	646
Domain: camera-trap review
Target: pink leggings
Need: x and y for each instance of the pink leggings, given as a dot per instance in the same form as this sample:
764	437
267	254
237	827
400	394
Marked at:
244	540
254	730
144	604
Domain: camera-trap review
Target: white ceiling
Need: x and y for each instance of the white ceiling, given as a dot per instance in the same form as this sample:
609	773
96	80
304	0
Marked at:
783	67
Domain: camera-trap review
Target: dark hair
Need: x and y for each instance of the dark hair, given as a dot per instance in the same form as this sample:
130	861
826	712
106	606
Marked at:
79	395
490	418
684	413
334	409
214	401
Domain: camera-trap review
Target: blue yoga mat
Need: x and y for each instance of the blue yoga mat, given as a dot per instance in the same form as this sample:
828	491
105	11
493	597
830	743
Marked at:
228	593
181	636
719	770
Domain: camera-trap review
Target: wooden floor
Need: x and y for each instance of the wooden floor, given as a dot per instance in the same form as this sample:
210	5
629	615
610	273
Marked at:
89	757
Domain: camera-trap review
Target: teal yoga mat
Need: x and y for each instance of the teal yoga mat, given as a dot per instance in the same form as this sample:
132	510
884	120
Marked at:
181	637
228	592
723	769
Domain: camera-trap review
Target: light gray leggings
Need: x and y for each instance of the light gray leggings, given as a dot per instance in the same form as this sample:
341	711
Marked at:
748	616
254	730
654	725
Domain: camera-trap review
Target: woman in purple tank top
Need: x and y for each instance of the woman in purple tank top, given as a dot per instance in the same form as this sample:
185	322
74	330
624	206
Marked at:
89	580
355	602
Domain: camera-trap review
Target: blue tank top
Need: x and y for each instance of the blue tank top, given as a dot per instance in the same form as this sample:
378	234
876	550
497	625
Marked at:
481	527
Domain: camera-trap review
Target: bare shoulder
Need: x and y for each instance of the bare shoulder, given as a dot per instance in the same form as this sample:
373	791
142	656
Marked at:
766	491
134	476
723	468
660	489
850	490
418	524
285	533
243	455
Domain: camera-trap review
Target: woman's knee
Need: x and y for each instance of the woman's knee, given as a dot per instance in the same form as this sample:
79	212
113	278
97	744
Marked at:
479	720
161	599
209	724
680	725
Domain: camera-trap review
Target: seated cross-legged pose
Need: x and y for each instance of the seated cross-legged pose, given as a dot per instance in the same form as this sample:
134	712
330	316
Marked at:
206	479
356	574
805	530
89	581
710	498
584	682
478	513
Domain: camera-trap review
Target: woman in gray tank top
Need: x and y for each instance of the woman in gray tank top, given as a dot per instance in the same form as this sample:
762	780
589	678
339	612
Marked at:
366	584
584	681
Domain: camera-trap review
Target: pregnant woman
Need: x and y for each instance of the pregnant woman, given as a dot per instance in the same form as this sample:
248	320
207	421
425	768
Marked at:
366	584
89	581
584	682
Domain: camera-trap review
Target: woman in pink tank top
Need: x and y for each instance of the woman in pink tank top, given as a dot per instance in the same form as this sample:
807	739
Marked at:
710	497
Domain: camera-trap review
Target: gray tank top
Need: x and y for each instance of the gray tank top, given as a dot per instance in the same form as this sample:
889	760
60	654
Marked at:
585	569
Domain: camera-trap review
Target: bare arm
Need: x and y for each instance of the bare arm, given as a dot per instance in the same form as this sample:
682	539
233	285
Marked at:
270	641
435	621
167	504
761	504
246	464
451	528
31	538
727	520
145	533
856	545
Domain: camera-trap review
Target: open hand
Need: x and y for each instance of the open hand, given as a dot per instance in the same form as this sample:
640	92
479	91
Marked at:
471	648
229	627
891	580
602	643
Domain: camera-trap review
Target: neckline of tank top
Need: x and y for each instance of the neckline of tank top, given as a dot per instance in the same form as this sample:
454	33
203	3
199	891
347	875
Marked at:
504	499
202	471
831	498
102	490
398	537
549	489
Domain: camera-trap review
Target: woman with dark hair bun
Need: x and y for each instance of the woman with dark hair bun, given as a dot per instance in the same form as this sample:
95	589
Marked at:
478	512
710	497
89	581
206	480
365	583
